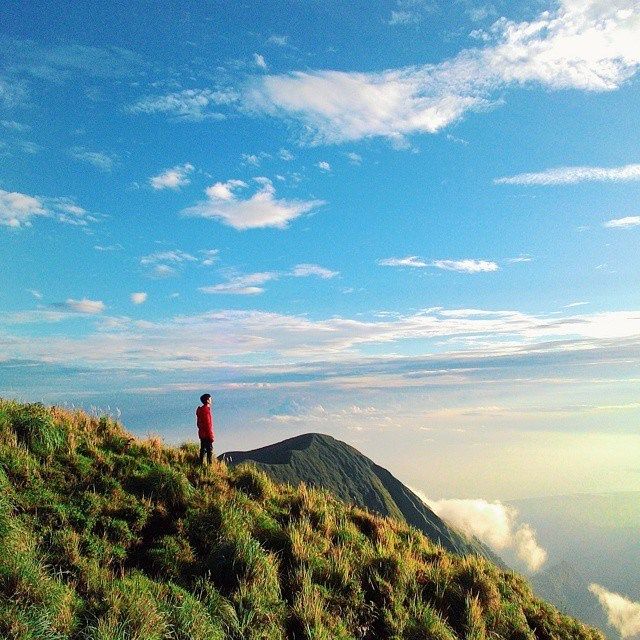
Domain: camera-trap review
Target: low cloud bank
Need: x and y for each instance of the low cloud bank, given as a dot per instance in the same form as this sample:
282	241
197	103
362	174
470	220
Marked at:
493	523
622	613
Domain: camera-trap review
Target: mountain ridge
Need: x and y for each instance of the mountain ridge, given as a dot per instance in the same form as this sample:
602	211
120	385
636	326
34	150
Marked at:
321	460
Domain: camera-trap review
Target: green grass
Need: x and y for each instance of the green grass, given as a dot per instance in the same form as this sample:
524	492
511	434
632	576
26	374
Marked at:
108	537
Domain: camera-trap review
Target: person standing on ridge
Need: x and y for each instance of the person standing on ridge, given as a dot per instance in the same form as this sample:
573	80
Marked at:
204	420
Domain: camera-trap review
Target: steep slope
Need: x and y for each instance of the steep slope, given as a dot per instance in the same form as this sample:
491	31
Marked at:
319	460
106	537
562	585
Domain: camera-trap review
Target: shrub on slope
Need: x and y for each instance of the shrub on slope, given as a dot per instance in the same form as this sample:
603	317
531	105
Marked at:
108	537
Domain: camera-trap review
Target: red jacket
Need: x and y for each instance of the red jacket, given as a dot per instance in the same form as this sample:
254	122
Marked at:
205	422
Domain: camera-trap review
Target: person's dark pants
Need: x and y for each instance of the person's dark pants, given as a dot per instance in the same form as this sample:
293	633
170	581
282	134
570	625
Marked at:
206	446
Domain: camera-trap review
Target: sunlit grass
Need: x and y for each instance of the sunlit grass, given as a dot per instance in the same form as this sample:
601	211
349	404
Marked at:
109	537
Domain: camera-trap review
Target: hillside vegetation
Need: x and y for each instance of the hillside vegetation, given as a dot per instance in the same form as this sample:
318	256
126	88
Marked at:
108	537
321	461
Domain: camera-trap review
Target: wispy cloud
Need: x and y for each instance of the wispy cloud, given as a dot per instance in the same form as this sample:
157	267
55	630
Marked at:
495	524
209	256
623	223
586	46
259	61
623	614
462	266
84	306
278	41
410	12
573	175
305	270
166	263
12	125
98	159
108	247
409	261
60	63
260	210
466	266
173	178
525	257
247	285
251	284
323	165
190	104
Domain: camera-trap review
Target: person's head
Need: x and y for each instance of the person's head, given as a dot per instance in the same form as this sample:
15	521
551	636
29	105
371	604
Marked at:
205	398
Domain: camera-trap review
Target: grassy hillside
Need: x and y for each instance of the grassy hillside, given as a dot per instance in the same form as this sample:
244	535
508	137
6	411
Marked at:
107	537
319	460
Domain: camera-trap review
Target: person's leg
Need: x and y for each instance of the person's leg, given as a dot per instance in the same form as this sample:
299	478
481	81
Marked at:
202	449
209	451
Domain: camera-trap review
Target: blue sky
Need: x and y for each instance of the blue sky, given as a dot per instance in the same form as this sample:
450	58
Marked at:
413	225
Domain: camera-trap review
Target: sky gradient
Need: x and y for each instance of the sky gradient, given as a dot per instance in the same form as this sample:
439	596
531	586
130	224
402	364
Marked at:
411	225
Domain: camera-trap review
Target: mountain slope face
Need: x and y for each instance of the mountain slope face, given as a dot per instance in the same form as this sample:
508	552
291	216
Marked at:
106	537
319	460
562	585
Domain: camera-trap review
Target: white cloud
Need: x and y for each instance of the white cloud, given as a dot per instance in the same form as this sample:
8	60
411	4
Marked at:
465	266
278	41
409	261
260	210
286	155
573	175
98	159
323	165
35	293
172	178
224	190
17	209
354	158
259	61
623	613
190	104
247	285
575	304
138	297
304	270
590	45
85	305
623	223
493	523
521	258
